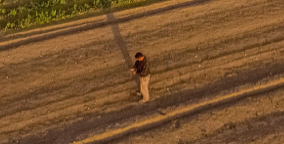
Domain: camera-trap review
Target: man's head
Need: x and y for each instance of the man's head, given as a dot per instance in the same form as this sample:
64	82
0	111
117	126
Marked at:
139	56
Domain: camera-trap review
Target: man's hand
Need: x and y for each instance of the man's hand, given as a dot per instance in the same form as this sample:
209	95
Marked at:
133	71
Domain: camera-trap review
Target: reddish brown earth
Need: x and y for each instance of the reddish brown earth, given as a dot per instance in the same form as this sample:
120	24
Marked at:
66	83
254	120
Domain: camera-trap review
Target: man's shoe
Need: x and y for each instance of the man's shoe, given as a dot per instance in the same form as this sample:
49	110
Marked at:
143	101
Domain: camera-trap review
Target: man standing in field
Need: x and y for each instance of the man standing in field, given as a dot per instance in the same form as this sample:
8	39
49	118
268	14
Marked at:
142	69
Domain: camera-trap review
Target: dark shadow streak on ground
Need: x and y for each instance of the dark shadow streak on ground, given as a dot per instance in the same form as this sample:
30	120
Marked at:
101	24
68	133
121	44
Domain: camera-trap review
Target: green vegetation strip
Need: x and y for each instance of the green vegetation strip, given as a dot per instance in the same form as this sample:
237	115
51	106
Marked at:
19	14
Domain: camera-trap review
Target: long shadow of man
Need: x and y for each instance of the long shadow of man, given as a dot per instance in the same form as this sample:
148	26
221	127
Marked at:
122	46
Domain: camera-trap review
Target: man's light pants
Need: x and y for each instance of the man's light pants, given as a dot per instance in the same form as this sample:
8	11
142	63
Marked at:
144	83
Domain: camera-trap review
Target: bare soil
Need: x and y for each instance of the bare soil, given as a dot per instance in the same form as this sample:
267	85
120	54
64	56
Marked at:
254	120
64	88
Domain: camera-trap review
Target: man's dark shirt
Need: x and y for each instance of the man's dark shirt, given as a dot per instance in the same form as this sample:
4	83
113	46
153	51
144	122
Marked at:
142	68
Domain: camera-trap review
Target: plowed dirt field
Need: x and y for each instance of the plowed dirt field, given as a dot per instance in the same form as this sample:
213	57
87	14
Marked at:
68	83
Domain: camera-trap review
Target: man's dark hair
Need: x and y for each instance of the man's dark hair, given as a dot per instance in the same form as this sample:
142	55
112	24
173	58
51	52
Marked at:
138	55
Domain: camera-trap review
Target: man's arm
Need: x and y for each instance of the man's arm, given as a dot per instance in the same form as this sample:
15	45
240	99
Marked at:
145	69
134	69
